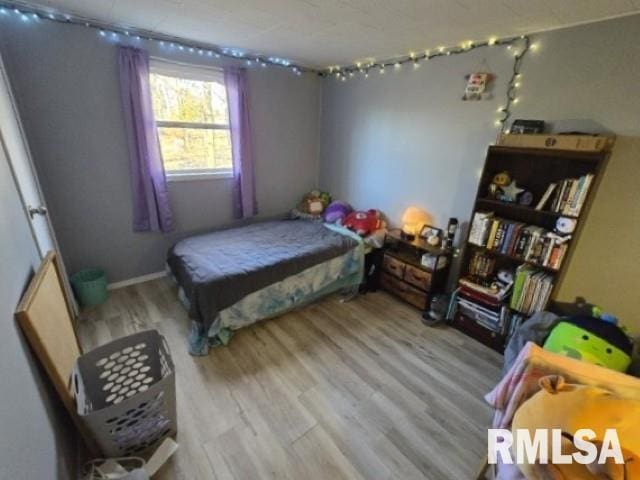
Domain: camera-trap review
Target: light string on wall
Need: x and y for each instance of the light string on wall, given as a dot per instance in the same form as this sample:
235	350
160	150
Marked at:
26	13
519	45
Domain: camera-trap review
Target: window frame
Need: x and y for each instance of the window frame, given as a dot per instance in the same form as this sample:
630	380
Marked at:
198	73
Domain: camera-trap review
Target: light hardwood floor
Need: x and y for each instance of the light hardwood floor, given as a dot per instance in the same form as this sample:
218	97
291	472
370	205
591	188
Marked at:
356	390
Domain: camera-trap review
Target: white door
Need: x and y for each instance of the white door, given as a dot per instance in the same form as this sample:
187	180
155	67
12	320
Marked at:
15	148
17	152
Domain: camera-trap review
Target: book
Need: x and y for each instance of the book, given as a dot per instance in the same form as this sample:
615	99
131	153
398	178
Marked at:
500	231
545	197
492	233
566	206
582	195
480	228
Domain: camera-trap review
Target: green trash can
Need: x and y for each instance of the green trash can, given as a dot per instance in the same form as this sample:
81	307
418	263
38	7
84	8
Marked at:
90	286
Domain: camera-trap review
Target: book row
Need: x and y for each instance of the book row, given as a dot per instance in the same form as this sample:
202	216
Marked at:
527	242
531	290
569	195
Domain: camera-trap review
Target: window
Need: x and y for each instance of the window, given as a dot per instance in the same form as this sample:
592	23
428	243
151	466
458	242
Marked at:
190	108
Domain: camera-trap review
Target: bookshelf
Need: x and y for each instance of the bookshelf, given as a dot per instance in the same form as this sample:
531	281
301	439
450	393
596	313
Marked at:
543	261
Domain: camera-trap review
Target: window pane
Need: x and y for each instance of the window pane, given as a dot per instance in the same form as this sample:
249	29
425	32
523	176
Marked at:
195	148
186	100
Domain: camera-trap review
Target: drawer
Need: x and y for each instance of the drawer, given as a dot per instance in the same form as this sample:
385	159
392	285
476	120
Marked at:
417	277
406	292
393	266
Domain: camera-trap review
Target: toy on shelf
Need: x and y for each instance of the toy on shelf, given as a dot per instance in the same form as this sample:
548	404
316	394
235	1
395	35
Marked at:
526	198
504	188
362	222
592	339
500	180
563	230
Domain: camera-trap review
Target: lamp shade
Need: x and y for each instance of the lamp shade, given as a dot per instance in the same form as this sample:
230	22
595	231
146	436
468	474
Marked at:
413	219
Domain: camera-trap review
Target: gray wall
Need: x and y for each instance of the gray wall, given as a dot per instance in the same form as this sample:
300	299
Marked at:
37	440
405	138
66	83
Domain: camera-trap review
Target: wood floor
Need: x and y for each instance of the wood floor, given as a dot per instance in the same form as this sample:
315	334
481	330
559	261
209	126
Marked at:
356	390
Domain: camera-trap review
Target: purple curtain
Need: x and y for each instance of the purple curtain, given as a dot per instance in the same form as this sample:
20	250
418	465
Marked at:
244	188
151	210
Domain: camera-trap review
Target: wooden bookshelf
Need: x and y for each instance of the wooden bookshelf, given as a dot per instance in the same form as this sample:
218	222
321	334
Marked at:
533	169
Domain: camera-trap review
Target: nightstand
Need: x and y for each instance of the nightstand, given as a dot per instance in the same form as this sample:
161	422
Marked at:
403	274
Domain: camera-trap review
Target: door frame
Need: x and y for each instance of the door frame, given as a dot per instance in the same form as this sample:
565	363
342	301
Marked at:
31	170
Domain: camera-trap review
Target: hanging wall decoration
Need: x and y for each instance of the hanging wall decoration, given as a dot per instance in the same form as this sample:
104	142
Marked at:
518	45
477	86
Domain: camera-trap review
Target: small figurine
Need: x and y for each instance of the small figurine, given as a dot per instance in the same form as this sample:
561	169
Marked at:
510	192
563	230
501	179
526	198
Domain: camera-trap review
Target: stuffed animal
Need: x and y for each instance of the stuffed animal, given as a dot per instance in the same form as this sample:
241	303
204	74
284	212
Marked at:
501	179
336	211
363	223
314	202
571	407
477	84
592	340
526	198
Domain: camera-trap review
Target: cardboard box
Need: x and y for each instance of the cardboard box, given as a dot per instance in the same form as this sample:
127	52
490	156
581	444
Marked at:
587	143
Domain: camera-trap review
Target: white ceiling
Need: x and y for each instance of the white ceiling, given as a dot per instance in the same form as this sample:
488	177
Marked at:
336	32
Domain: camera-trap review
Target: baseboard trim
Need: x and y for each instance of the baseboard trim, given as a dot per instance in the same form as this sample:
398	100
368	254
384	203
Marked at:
133	281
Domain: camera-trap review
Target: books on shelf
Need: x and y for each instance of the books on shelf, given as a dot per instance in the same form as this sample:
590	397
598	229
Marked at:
481	265
487	312
531	290
546	196
570	195
480	227
487	294
521	241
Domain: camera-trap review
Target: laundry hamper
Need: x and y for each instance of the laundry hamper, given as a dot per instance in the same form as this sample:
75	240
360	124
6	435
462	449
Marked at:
125	394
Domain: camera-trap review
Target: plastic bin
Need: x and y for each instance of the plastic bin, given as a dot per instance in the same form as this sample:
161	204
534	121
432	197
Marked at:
90	286
125	394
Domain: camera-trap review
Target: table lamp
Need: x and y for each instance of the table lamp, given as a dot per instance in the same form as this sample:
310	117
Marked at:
412	221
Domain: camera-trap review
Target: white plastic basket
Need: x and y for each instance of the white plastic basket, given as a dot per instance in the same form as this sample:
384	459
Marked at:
125	394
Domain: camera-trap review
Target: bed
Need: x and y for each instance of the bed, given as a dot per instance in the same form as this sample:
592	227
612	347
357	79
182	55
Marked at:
232	278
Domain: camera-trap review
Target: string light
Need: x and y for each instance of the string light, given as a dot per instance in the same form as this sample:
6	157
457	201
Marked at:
522	42
114	33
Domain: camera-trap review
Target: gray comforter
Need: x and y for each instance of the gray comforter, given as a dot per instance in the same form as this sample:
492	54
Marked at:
218	269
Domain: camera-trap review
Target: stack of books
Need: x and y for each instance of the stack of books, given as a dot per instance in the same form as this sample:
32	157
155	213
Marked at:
531	290
517	239
481	265
483	305
570	195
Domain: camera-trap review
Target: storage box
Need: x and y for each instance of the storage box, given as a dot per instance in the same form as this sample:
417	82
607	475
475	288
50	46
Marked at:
557	142
125	394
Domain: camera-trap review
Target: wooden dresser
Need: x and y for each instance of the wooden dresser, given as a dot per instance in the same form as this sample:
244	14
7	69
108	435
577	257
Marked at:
403	275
